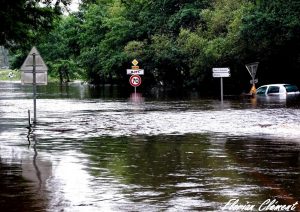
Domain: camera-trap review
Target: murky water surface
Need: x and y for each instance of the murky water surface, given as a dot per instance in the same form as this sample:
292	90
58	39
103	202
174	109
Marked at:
96	149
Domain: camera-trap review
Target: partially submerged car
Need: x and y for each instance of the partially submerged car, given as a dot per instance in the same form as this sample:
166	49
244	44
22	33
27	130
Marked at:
277	90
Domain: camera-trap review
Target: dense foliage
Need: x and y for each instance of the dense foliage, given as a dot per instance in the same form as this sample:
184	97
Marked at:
177	42
21	20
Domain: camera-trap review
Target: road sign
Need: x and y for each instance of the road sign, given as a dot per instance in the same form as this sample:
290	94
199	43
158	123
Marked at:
135	62
254	82
135	72
221	70
252	69
34	71
135	80
41	69
220	74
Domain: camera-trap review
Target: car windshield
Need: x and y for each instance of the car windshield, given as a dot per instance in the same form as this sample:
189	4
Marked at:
291	88
261	90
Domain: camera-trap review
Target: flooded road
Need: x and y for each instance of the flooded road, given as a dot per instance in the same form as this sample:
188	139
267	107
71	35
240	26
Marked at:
95	149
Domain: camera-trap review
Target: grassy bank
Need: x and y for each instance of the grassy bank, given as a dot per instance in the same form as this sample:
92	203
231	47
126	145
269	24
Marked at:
16	76
4	75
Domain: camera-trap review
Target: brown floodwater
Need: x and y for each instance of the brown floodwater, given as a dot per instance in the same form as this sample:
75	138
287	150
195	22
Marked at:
98	149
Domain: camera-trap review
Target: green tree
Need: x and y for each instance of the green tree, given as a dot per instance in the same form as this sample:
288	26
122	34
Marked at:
22	19
271	34
105	32
216	41
176	42
60	48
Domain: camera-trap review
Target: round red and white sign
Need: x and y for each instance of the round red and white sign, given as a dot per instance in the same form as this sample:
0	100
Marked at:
135	80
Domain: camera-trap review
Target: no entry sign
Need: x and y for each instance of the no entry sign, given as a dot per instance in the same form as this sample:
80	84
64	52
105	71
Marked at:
135	80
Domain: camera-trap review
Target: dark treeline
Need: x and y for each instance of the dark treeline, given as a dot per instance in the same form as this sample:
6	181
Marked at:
176	42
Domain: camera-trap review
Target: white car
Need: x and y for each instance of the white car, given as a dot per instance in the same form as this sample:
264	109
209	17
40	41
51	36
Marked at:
277	90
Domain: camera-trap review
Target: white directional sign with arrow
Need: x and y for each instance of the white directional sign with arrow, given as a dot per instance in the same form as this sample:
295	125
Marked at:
221	72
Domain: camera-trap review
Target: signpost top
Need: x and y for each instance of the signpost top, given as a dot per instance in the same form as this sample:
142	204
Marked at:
221	72
40	65
253	64
135	62
34	70
252	69
135	80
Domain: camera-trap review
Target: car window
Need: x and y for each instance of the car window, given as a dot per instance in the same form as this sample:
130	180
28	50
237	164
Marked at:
291	88
261	90
273	89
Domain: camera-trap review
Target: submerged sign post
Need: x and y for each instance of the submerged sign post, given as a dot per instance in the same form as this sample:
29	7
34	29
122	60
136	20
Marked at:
34	71
220	73
252	69
135	80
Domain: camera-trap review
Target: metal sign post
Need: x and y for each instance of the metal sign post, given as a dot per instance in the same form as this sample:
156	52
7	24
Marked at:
252	69
34	71
220	73
34	87
135	80
221	79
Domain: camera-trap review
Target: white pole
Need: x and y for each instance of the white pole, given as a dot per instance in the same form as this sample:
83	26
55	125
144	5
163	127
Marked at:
34	87
29	124
221	89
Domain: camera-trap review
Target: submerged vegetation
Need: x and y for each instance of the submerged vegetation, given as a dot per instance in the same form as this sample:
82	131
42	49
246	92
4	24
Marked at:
176	42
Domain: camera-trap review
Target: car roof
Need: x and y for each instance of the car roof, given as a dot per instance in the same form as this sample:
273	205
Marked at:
277	84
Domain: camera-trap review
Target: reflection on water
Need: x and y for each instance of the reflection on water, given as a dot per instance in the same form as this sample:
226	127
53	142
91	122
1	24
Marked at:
23	183
132	154
17	194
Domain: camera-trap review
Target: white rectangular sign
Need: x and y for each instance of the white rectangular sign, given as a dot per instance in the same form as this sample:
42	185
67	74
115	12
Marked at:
220	74
135	71
41	78
221	70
